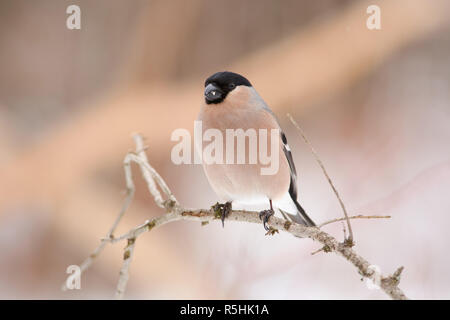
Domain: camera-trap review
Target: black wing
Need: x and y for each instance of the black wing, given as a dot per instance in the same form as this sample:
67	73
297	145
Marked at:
301	216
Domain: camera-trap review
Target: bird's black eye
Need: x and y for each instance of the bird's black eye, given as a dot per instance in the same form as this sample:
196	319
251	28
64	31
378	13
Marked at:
231	86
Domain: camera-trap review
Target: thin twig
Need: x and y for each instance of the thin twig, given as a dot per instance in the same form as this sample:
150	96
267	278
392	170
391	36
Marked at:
349	241
344	230
130	194
152	179
124	271
317	251
352	217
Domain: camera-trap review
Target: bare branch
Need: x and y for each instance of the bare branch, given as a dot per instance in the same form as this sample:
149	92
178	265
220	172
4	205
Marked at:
349	241
328	242
174	212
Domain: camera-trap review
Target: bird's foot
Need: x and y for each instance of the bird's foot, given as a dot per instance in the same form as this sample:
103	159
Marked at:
222	210
265	216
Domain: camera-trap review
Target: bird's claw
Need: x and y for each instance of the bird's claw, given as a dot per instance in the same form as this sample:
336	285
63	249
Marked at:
265	216
222	210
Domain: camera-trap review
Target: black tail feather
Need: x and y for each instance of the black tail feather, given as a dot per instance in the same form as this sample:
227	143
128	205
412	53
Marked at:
301	214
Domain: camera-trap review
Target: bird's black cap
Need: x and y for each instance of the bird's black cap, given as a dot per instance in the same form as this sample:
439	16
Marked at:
224	78
220	84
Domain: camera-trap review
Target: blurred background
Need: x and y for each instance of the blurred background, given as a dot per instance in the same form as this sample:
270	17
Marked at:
374	104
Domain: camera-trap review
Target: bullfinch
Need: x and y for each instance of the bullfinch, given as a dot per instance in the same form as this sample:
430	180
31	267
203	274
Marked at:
231	103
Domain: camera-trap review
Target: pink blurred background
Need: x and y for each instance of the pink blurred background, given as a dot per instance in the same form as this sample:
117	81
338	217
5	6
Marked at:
375	105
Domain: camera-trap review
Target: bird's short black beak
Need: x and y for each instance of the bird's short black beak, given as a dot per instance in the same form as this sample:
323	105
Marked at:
213	94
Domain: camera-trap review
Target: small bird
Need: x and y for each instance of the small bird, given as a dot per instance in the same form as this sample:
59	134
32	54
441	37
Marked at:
231	102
